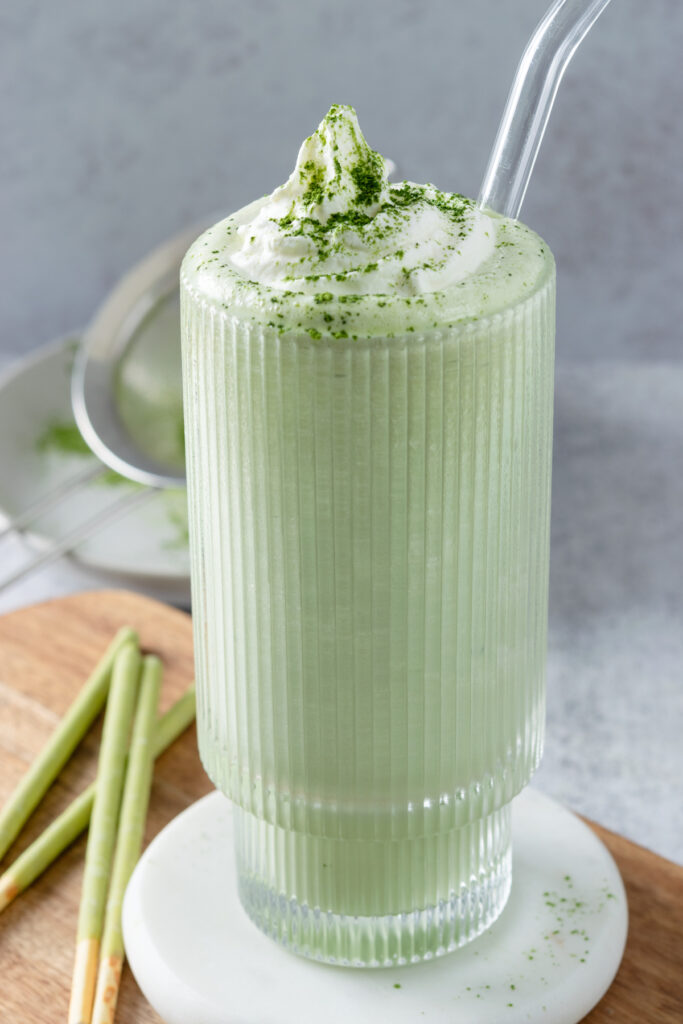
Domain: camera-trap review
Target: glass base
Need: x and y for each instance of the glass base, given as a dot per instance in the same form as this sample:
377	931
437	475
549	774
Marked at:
377	903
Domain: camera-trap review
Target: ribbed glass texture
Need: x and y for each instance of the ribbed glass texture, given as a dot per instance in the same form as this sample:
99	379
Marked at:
369	525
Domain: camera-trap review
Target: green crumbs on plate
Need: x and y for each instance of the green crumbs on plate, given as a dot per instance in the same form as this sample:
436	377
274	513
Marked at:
63	437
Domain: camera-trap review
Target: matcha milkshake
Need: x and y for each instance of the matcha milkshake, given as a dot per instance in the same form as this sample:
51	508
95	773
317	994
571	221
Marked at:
368	400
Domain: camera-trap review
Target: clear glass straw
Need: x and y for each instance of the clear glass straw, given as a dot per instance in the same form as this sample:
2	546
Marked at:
544	61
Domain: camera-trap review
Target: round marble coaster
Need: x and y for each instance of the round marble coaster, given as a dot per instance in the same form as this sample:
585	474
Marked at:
550	956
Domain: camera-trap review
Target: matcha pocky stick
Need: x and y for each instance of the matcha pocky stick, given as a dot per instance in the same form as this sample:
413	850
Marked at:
61	745
98	857
66	828
129	839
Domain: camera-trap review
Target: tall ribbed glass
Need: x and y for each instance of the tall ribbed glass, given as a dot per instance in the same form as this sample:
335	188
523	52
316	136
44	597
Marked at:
369	528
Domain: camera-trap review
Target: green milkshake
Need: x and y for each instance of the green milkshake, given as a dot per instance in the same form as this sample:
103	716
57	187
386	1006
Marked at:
368	411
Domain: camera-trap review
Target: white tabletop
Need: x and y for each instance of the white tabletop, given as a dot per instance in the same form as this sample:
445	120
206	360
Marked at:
615	650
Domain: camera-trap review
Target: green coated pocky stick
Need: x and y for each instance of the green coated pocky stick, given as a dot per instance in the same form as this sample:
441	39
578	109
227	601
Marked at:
99	851
61	745
129	839
74	819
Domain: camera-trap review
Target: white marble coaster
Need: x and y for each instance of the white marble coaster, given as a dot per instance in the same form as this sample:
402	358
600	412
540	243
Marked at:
550	956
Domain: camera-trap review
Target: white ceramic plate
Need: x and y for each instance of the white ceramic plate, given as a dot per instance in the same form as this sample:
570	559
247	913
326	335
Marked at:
147	544
547	960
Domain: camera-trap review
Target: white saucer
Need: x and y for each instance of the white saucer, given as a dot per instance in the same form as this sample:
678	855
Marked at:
550	956
147	545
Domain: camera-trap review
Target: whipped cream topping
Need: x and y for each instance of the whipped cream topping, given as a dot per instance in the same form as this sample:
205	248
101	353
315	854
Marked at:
337	225
338	251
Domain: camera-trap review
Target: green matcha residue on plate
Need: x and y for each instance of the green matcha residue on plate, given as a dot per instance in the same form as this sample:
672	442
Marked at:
62	437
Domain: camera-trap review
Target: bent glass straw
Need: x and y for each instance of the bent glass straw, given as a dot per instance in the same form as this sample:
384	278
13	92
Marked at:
538	76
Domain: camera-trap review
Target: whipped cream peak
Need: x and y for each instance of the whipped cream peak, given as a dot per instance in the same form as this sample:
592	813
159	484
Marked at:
336	172
340	251
337	225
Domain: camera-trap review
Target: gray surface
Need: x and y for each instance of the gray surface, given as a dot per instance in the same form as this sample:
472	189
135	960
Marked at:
123	122
615	665
615	655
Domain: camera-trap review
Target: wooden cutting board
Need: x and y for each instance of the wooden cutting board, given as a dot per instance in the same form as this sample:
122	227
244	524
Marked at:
46	652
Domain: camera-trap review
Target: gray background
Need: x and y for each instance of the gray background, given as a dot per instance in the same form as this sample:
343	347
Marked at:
123	122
